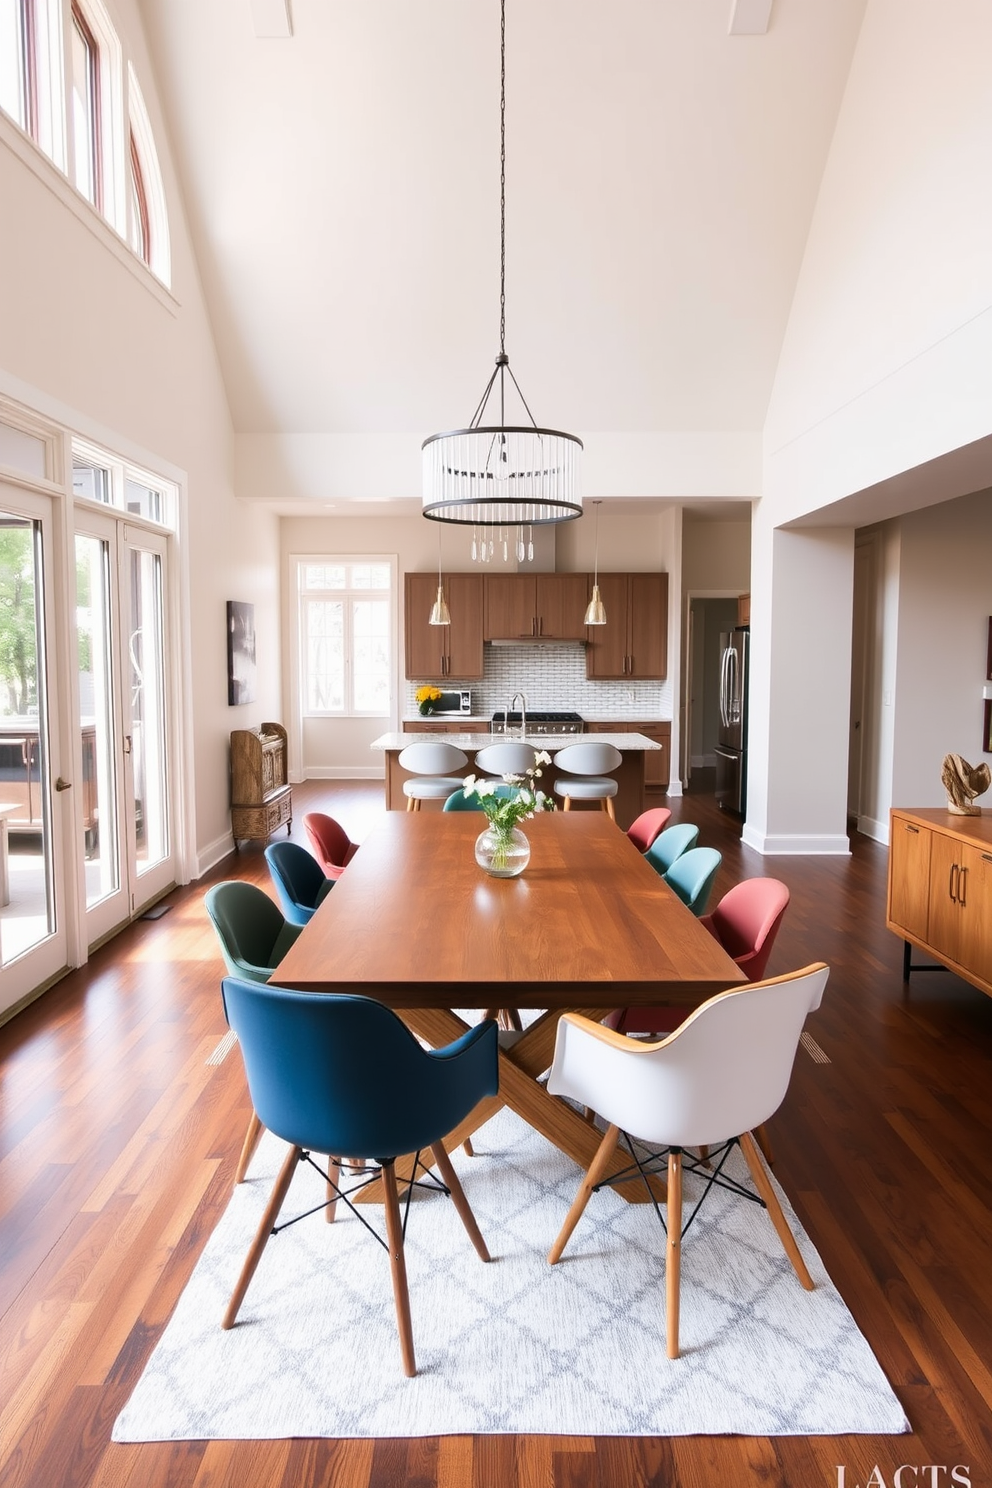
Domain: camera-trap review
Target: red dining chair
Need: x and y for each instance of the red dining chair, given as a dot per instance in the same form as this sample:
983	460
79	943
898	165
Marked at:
648	825
332	846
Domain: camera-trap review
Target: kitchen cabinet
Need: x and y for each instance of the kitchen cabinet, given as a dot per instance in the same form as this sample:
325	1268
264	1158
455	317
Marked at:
940	889
656	761
744	609
634	641
439	652
433	726
524	606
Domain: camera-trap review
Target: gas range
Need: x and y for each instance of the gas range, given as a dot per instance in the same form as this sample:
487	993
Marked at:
538	722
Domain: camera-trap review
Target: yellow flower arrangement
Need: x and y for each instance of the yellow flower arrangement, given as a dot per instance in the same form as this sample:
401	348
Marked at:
426	697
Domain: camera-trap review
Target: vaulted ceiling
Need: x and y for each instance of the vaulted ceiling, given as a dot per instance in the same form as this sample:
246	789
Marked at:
343	190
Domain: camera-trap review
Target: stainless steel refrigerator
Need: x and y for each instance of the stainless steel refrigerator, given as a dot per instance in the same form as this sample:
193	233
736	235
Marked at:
731	750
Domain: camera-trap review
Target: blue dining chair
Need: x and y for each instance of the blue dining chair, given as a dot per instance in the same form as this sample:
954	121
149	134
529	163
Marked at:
671	844
299	880
692	877
343	1074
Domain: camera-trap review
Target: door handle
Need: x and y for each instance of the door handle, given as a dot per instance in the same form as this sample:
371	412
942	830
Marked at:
963	884
61	785
127	743
952	881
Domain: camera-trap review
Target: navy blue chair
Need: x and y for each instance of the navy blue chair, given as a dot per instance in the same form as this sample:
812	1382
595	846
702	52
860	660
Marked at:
341	1074
671	844
299	880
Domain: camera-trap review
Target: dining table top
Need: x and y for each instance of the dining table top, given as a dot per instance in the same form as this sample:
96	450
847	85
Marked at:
416	923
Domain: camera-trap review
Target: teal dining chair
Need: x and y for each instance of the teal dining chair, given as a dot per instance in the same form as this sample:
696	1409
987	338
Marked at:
459	801
693	875
671	844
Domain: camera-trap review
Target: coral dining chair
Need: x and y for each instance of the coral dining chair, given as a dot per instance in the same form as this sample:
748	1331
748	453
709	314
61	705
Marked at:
643	831
332	846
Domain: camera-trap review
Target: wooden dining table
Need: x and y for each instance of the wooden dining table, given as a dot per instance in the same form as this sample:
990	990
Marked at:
589	926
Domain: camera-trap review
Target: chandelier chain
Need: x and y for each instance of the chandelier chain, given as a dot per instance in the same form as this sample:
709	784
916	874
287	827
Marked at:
502	178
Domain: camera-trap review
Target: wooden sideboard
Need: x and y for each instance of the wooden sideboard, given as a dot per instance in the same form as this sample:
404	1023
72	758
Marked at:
940	889
261	796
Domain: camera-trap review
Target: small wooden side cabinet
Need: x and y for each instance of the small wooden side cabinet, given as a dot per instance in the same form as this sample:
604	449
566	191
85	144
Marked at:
940	890
261	796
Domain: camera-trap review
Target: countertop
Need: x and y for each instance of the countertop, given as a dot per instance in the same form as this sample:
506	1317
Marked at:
626	743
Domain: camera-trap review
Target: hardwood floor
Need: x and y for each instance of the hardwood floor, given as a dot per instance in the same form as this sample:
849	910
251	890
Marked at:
118	1143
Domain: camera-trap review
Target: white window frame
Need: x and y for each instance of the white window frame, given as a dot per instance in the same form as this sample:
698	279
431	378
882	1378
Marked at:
349	596
159	256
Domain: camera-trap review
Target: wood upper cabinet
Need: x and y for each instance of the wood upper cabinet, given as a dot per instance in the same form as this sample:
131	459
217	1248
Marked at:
523	606
940	888
441	652
634	640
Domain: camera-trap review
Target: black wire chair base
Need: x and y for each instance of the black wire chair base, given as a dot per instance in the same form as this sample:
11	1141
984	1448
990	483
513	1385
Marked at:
372	1175
655	1165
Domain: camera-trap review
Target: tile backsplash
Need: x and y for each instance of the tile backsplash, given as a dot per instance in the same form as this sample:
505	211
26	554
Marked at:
554	676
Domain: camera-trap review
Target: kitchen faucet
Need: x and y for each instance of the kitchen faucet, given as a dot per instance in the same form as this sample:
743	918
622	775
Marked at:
523	712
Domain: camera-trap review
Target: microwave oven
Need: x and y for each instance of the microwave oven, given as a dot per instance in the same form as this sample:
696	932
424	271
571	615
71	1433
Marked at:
454	702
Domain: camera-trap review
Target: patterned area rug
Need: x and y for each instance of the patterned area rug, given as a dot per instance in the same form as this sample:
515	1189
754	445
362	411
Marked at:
517	1345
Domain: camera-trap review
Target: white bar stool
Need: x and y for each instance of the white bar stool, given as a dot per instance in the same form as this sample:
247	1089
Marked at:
428	762
586	763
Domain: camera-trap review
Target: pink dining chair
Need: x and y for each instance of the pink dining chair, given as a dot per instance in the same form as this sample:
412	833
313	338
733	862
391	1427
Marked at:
745	922
647	827
331	844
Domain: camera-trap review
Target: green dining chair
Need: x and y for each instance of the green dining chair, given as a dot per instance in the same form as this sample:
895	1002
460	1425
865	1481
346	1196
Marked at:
459	801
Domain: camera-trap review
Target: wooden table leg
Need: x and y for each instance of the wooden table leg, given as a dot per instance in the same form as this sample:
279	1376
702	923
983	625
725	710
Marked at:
563	1126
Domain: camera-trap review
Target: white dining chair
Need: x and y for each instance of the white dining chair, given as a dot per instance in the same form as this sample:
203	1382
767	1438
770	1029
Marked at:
723	1072
585	766
430	764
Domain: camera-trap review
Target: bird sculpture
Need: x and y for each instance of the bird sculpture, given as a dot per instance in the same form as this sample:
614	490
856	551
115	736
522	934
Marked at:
963	782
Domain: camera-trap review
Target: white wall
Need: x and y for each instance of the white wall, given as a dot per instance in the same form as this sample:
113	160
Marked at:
887	359
85	324
944	604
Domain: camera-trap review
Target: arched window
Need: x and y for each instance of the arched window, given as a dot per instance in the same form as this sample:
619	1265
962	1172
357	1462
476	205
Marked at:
18	64
87	120
148	222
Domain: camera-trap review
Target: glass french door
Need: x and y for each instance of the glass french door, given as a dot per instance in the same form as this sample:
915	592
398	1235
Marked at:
33	801
125	825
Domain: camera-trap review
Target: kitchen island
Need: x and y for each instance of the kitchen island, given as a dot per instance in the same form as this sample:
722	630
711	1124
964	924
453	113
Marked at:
628	802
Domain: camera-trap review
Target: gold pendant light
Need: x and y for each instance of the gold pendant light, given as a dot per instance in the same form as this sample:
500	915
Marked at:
596	610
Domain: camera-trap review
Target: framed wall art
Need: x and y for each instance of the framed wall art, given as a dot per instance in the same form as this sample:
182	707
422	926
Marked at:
240	653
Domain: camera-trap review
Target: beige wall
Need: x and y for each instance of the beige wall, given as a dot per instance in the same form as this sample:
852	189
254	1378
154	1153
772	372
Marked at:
87	328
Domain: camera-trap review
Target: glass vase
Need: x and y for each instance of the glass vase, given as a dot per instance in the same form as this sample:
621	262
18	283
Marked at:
502	853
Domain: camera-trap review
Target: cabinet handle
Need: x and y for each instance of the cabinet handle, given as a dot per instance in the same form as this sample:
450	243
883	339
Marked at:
963	883
952	881
910	828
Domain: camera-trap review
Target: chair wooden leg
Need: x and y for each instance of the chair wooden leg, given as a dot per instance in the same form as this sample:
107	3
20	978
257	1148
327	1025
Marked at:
397	1265
333	1176
764	1142
597	1168
279	1192
252	1136
467	1147
673	1251
763	1184
568	804
608	807
461	1203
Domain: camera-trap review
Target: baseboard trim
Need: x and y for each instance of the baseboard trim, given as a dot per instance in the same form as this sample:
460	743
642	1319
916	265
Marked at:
825	845
344	772
212	854
878	831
